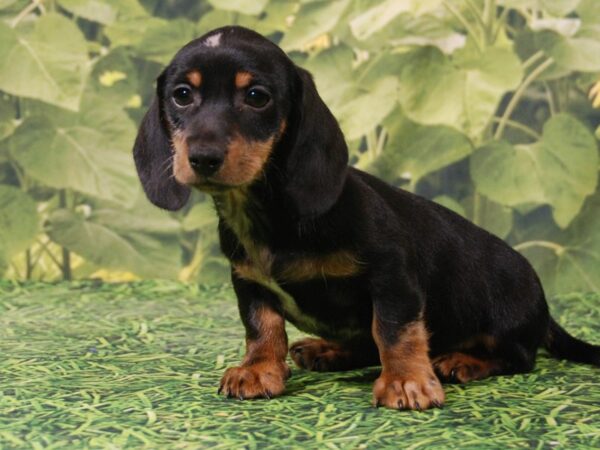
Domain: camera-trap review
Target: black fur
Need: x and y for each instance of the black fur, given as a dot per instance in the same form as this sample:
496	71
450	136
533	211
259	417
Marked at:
153	155
418	259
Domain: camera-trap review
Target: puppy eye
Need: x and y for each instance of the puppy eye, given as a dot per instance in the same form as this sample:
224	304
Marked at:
257	98
183	96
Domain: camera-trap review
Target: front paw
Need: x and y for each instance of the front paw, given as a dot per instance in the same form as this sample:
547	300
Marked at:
418	391
264	379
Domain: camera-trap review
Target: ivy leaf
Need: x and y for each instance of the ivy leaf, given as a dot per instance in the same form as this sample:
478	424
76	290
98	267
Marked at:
115	79
48	61
451	204
89	152
378	17
252	7
332	71
366	111
101	11
19	222
131	24
561	169
491	216
201	215
160	41
114	247
415	150
463	93
7	114
569	262
313	20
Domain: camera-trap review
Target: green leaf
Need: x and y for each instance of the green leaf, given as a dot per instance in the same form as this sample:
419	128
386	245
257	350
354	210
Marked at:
313	20
201	215
450	203
7	115
160	41
110	246
559	8
142	216
19	223
48	61
569	262
589	11
332	71
569	160
567	27
101	11
463	92
376	18
506	174
6	3
576	53
491	216
415	150
89	152
131	24
252	7
560	170
488	78
366	111
431	88
115	79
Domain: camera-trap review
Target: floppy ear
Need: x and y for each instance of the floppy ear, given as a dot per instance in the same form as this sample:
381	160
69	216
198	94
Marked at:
154	158
317	161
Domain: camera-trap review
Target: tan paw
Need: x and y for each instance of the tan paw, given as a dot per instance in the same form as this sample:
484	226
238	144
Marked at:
319	355
460	367
265	379
408	392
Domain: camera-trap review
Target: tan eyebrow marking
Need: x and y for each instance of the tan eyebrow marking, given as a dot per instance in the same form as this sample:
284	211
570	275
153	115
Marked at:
195	78
242	79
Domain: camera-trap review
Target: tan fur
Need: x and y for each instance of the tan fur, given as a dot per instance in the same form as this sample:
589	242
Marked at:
182	171
482	340
243	79
342	263
463	368
263	371
195	78
407	379
271	343
244	160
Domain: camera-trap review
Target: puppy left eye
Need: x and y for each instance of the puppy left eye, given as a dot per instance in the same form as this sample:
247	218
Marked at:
257	98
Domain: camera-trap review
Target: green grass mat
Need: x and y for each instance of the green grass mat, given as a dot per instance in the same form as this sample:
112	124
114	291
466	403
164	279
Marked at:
86	365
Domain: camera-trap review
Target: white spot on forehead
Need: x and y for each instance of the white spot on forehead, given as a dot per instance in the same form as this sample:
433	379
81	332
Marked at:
213	41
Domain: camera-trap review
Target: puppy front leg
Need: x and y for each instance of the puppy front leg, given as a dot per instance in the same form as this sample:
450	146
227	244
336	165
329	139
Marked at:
263	370
407	379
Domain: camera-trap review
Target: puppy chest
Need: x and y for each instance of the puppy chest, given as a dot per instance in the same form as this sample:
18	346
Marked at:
325	305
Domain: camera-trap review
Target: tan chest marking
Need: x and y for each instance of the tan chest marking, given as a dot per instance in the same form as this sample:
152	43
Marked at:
341	263
258	266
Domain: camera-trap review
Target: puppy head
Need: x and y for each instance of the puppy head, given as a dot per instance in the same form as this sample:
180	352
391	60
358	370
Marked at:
223	107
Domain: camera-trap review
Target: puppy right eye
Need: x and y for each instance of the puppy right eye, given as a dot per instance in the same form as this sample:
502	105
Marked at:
183	96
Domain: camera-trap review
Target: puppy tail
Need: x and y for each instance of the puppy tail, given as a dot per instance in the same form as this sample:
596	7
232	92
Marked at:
562	345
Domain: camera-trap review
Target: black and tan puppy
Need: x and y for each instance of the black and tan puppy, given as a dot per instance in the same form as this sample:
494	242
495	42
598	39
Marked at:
382	276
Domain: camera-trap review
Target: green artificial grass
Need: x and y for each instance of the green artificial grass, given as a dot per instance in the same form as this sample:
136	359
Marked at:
91	365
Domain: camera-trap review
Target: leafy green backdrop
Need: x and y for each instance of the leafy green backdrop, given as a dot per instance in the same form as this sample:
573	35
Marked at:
486	106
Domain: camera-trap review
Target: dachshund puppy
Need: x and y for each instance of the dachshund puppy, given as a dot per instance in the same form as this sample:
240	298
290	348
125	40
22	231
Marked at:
381	276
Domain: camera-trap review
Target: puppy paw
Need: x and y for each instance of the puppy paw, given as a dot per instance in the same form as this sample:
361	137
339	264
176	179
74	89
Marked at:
421	391
460	368
265	379
319	355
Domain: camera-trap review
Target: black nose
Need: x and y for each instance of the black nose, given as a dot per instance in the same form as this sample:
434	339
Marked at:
206	161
